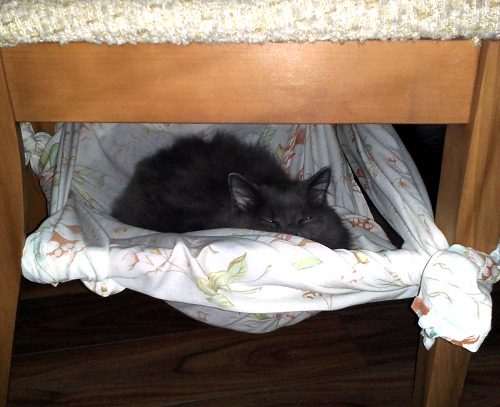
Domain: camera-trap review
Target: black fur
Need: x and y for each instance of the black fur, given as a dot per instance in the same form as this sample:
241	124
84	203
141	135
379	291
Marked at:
223	183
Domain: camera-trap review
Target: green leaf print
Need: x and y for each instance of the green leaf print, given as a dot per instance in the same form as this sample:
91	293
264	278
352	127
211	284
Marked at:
221	301
204	286
49	157
236	269
217	279
306	263
100	183
260	317
280	151
223	279
266	135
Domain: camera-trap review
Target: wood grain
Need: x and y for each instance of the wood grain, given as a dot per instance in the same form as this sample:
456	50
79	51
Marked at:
483	382
440	375
184	367
491	344
467	208
388	340
374	390
30	290
92	320
11	229
377	82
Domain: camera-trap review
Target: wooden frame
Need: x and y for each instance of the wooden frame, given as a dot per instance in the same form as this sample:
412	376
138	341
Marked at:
378	82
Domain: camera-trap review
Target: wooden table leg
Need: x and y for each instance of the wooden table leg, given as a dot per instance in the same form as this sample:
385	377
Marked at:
11	229
467	207
440	375
467	212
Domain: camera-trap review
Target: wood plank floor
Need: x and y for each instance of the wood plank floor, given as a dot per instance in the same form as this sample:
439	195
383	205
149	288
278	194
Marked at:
73	348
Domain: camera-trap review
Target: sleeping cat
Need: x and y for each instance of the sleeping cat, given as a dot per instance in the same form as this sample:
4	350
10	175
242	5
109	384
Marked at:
198	184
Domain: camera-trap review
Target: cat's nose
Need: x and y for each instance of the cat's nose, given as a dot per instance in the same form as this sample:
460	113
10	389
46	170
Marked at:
291	229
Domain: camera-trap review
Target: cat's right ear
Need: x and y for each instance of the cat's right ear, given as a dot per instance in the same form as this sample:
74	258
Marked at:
317	186
244	194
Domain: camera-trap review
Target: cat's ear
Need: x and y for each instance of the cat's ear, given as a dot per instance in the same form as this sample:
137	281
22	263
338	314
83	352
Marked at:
244	194
317	186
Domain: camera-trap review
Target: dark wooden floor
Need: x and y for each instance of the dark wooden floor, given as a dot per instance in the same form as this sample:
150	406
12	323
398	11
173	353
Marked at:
74	348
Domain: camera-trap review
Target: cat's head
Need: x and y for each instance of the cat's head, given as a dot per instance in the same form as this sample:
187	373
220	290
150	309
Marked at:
296	208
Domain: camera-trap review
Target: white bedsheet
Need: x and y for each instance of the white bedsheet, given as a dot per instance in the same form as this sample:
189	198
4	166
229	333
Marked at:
248	280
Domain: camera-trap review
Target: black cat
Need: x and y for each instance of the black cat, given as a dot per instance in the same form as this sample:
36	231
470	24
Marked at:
223	183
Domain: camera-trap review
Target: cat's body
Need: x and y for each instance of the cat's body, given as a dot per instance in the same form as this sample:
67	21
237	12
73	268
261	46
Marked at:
223	183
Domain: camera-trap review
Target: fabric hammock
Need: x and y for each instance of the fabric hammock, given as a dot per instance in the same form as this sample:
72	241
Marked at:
249	280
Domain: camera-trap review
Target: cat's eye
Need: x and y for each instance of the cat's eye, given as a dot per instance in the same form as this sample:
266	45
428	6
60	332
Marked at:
270	221
307	218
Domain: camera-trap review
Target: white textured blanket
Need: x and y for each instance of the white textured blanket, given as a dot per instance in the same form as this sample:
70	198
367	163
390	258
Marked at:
248	280
252	21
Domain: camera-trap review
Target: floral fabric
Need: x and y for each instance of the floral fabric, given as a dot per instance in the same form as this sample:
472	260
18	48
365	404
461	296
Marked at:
248	280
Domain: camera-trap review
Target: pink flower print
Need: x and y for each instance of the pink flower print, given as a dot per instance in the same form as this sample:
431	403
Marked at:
299	135
75	229
402	184
489	271
418	305
132	259
392	159
300	175
467	341
282	236
364	223
64	245
311	295
47	178
351	281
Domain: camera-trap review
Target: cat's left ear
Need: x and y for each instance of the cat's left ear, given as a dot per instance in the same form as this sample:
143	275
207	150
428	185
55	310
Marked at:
243	192
317	186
